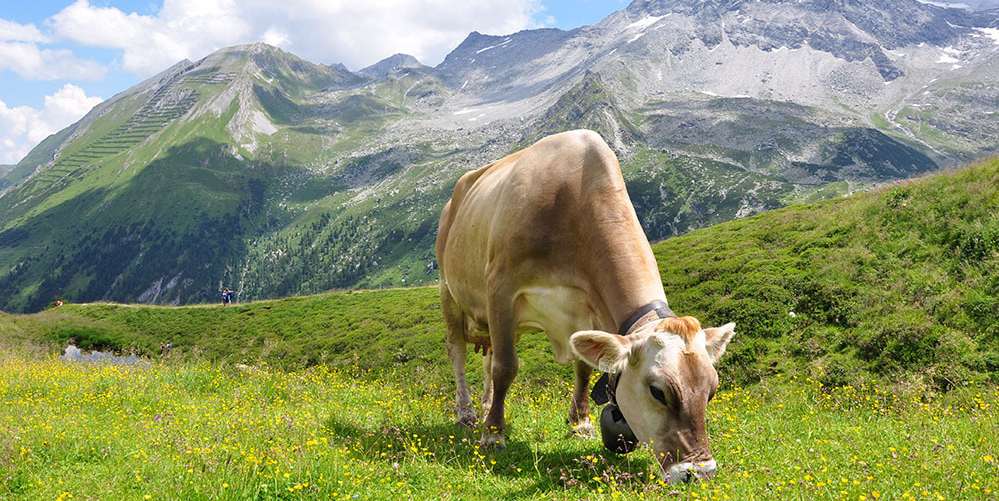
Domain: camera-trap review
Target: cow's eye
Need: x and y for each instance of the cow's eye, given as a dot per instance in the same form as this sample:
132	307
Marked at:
658	394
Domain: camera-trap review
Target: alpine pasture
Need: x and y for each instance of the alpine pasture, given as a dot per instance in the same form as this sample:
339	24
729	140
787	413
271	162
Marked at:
865	367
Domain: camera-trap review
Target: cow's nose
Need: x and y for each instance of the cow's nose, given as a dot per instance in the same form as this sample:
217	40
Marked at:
685	472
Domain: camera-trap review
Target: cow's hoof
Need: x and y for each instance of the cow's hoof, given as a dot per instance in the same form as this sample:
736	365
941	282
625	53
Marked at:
583	430
492	441
467	419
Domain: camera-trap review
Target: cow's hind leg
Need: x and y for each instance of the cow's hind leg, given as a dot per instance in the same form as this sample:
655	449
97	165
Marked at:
579	409
457	351
504	369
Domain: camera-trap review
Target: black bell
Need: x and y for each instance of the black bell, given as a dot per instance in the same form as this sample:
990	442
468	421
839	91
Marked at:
615	432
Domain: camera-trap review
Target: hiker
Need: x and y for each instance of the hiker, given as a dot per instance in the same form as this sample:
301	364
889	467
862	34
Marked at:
226	296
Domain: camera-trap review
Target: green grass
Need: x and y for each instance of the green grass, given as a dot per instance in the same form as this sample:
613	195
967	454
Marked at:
180	430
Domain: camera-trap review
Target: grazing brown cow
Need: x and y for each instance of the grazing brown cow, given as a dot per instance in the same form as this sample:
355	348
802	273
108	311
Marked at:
547	239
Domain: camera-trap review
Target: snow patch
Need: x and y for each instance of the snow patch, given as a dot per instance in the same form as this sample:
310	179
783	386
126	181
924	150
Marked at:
465	111
501	44
636	37
947	5
947	59
992	33
736	96
644	22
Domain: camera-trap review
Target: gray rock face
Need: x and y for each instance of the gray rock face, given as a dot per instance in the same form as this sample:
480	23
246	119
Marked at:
498	66
853	30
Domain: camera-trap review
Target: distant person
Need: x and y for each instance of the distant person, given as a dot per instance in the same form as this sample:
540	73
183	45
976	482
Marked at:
226	296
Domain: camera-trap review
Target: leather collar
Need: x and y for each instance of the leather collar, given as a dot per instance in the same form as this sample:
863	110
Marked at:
660	307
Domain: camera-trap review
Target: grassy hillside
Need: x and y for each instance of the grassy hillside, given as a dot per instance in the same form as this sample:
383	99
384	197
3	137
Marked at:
901	283
903	280
183	431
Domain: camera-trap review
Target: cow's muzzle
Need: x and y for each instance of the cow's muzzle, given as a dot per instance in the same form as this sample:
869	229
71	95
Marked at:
688	471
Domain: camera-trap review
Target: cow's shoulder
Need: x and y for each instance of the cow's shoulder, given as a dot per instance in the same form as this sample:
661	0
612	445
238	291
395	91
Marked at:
582	147
583	141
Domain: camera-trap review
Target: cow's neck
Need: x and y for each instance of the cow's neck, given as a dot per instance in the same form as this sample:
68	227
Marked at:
625	278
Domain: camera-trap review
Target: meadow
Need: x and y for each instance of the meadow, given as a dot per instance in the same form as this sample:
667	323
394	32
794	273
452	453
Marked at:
183	430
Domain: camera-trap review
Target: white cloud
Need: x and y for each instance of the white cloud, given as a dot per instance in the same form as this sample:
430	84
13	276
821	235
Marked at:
19	52
23	127
276	38
33	63
356	33
15	32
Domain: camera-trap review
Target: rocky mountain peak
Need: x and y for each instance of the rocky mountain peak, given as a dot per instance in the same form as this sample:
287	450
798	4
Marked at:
392	64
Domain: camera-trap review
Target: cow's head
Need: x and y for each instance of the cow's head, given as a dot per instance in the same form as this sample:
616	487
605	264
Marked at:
666	377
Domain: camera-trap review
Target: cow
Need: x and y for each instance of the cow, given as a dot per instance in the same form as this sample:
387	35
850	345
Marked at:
546	239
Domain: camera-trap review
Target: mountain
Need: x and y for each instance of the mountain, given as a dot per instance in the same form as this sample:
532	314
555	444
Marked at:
393	64
254	169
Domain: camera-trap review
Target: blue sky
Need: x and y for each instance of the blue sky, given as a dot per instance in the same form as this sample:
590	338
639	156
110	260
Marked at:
60	57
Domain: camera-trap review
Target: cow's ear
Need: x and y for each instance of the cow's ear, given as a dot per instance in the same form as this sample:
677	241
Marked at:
716	340
603	351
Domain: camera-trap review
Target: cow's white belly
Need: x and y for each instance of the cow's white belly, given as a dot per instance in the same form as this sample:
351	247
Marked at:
559	311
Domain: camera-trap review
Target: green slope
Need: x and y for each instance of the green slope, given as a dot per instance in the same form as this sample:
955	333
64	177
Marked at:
901	283
901	280
160	194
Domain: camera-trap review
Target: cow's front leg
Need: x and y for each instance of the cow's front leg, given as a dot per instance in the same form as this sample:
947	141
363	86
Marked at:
487	381
504	370
579	409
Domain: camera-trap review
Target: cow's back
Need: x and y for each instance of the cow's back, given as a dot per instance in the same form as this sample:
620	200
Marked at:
530	216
